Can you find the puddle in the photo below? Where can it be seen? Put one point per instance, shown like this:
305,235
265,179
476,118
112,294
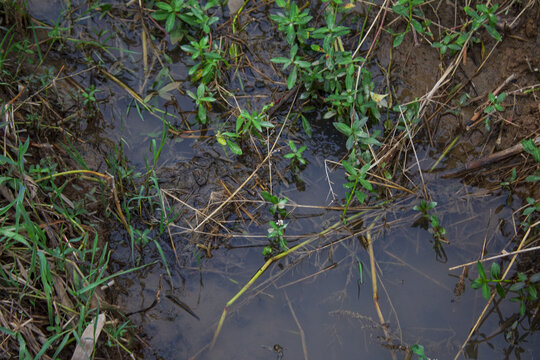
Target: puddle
316,303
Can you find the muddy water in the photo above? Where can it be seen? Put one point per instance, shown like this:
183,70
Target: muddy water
315,304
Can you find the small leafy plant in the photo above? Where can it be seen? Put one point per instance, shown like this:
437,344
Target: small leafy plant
253,122
276,232
355,178
226,139
437,230
524,288
89,96
296,156
493,107
409,9
207,60
513,176
419,351
278,204
292,22
276,235
485,17
202,99
356,136
176,13
294,60
451,43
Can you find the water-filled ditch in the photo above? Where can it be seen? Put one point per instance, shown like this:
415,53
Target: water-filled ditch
316,303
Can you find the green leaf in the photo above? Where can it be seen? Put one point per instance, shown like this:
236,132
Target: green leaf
169,24
269,197
477,283
398,39
291,81
292,146
531,148
164,6
160,15
501,291
329,114
517,286
366,184
239,123
202,113
495,271
200,90
418,350
485,291
535,278
349,168
234,147
481,271
493,32
417,26
532,292
266,124
342,128
360,195
280,60
309,131
221,140
303,64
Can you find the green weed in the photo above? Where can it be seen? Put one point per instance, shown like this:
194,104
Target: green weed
493,107
437,230
254,122
295,156
276,232
179,13
297,63
418,350
207,60
409,9
524,288
484,16
292,22
202,99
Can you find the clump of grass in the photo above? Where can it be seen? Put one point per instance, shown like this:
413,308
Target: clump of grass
54,261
